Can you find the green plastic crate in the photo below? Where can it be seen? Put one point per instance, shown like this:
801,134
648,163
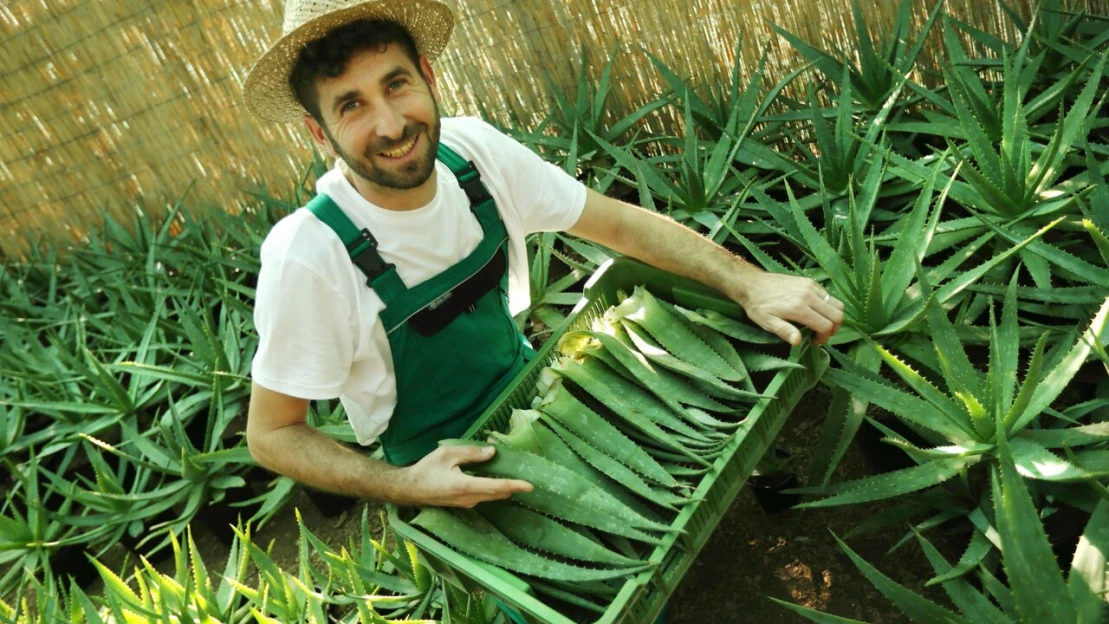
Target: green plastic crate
643,596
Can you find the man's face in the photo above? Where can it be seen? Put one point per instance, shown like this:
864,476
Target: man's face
382,118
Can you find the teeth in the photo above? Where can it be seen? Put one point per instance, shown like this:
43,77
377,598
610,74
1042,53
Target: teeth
402,150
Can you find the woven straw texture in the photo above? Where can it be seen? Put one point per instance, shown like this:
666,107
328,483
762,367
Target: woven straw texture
108,107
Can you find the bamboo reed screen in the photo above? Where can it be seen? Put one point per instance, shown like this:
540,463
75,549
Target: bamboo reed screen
119,106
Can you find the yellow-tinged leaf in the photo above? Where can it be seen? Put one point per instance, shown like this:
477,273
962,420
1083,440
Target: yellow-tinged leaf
116,585
263,619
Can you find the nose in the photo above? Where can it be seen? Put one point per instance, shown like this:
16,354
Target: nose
388,123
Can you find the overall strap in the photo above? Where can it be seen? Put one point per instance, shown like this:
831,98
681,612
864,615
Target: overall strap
362,248
481,202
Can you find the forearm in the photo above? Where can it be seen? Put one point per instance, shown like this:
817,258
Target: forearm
668,245
307,456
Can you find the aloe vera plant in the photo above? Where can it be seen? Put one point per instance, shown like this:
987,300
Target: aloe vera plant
881,64
1037,591
579,122
975,415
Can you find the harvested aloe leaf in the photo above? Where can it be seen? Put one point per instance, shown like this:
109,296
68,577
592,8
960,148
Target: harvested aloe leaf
671,388
674,335
539,532
562,493
468,532
557,451
653,351
614,469
577,417
626,399
520,434
729,327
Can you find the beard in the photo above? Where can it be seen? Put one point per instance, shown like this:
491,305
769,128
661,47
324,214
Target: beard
403,177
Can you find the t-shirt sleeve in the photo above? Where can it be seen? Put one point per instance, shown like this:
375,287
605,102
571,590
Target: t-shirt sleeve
547,198
306,341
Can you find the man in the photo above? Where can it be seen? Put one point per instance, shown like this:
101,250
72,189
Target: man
390,290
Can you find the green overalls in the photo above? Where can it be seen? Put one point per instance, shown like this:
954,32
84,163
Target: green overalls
454,343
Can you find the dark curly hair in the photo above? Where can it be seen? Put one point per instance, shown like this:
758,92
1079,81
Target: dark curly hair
328,56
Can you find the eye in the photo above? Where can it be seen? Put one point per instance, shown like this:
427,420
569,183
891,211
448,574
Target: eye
348,106
396,84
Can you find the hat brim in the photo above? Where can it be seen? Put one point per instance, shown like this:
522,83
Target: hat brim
266,90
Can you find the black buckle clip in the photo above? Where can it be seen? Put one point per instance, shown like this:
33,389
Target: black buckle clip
369,260
474,188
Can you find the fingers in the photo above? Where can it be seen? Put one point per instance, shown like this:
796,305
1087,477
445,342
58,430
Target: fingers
783,330
465,454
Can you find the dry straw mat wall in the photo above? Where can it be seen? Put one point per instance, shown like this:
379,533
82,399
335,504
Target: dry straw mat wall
113,106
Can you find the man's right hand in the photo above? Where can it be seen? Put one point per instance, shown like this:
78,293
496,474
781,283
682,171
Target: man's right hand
438,480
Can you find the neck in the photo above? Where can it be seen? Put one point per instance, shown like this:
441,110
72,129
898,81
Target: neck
394,199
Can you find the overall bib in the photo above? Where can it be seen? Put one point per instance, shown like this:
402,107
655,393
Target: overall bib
453,342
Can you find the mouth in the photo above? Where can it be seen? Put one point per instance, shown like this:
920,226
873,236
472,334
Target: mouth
402,150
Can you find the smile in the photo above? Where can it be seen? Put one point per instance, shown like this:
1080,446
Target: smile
403,150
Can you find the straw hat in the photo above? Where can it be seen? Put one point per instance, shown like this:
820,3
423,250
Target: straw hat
267,91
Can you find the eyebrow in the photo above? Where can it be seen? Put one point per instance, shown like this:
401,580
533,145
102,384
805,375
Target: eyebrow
346,96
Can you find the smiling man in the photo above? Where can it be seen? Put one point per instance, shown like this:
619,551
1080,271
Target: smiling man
393,289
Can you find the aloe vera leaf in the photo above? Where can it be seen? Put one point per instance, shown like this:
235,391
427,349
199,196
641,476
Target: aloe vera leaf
537,531
598,589
929,393
565,494
574,598
1028,388
1100,239
716,341
815,616
674,335
1004,350
845,416
1035,462
761,362
577,417
466,531
730,327
707,420
557,451
612,467
910,248
1034,576
1053,384
887,485
621,398
656,353
970,601
975,552
668,387
1088,580
647,403
1085,271
520,434
957,370
918,608
1074,436
682,470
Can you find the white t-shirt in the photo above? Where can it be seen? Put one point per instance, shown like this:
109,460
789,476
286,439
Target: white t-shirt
317,320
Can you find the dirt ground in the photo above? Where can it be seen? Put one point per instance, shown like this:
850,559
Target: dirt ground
752,555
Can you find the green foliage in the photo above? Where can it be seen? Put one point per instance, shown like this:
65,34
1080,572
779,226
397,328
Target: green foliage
882,64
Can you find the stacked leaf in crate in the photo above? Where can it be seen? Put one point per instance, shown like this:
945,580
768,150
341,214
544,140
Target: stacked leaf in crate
636,424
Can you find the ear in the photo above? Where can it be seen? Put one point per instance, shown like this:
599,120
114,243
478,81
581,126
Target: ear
318,135
429,77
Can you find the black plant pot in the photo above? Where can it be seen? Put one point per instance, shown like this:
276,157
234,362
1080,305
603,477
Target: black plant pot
768,491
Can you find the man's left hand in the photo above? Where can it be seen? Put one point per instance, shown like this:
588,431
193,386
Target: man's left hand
772,300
